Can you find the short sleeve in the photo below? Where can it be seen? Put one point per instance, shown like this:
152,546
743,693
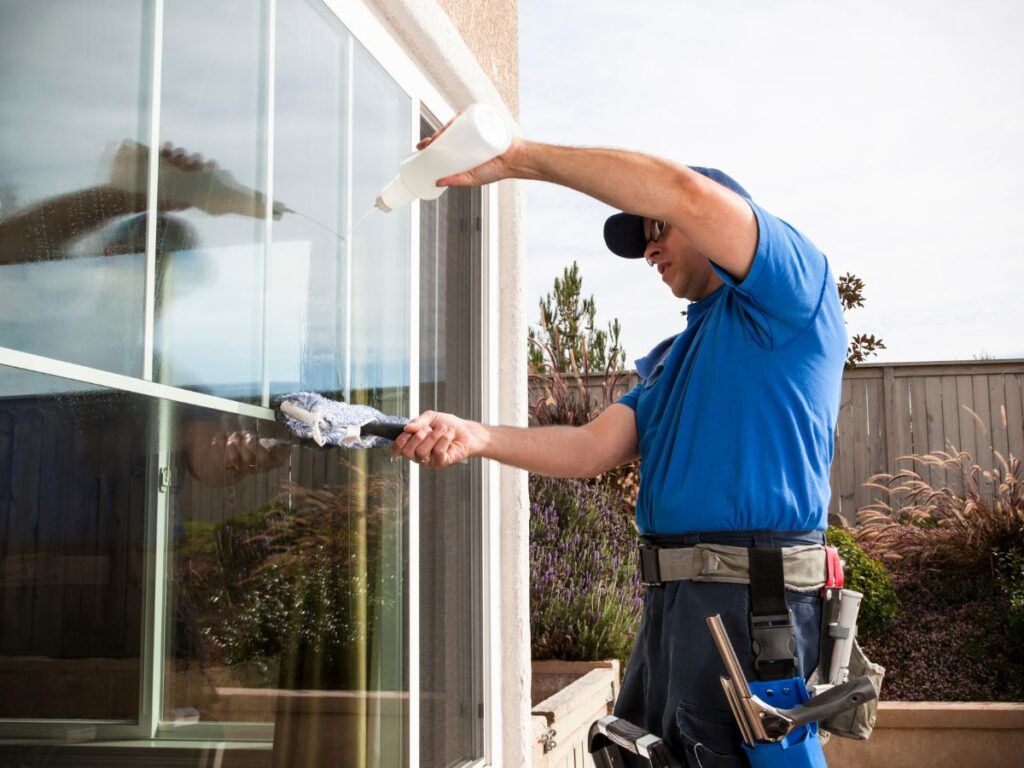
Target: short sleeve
630,398
787,278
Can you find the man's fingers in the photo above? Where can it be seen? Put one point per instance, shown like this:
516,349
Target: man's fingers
424,143
425,419
439,454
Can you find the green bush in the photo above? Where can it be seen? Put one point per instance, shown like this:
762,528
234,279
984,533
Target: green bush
880,605
1010,578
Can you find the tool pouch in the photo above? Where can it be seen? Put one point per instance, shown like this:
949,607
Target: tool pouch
856,723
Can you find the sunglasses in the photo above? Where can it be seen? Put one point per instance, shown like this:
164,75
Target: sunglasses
654,234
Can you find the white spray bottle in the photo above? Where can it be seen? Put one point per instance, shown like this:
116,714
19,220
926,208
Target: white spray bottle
475,136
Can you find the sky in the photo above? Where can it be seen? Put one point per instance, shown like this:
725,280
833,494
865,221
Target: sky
890,133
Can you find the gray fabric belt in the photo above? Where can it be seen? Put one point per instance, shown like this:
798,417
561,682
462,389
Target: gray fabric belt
803,567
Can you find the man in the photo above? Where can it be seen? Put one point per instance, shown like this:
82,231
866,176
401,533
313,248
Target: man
732,421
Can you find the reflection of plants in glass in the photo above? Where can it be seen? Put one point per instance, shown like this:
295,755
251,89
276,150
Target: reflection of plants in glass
300,581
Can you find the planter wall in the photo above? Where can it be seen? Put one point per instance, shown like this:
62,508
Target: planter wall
937,735
567,697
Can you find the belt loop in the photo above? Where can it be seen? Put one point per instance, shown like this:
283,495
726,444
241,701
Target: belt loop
763,537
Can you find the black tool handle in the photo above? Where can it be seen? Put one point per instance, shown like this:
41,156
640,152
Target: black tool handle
832,702
615,730
382,429
625,734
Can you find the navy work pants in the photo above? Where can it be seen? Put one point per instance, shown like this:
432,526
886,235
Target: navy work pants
671,685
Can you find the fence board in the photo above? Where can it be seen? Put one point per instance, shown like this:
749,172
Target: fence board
998,421
950,414
878,451
904,444
982,408
935,435
968,426
1015,413
847,475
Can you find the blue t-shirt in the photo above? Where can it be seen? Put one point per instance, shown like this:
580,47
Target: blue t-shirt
735,416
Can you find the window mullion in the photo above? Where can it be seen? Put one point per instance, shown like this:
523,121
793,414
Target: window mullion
152,198
268,211
151,651
413,533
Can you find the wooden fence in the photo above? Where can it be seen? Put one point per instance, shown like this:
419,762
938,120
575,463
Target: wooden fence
891,411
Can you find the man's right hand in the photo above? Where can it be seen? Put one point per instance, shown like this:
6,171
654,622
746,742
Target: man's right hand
438,440
500,167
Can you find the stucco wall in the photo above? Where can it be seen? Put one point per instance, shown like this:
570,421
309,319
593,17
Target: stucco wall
491,31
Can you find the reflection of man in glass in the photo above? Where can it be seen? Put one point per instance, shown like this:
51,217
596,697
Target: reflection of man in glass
45,230
116,212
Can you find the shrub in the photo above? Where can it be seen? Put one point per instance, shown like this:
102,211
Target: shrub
1010,577
585,593
952,643
880,605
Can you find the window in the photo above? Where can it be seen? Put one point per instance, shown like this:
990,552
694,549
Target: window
175,571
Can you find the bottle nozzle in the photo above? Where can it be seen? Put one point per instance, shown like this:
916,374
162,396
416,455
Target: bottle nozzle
395,195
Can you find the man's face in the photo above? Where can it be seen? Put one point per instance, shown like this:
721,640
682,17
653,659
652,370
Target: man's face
681,266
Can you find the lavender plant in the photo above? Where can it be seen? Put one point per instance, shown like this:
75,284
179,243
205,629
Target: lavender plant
585,593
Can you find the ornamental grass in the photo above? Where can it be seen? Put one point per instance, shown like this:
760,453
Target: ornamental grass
946,528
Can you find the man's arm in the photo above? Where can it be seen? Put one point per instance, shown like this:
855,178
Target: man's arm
607,442
718,222
62,218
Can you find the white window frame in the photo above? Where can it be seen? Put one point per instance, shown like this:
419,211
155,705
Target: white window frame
367,30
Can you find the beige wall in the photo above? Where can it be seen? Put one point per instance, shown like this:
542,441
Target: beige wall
491,31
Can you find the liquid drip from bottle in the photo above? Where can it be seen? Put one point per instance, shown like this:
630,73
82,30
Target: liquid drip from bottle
344,238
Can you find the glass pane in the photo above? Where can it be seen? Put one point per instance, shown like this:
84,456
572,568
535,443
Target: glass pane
286,586
307,313
210,249
288,597
379,314
74,462
379,370
451,503
74,96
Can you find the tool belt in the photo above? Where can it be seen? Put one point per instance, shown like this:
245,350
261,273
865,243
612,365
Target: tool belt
769,571
803,566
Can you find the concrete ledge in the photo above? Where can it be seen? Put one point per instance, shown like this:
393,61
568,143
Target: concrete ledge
936,734
983,715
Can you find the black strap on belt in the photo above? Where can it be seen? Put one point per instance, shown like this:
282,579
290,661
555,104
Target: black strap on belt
771,623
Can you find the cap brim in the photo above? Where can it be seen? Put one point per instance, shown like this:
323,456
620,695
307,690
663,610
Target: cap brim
624,235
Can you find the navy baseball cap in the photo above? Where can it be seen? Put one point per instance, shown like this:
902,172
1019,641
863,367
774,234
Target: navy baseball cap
624,232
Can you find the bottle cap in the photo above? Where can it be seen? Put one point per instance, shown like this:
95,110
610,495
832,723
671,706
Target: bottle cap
395,195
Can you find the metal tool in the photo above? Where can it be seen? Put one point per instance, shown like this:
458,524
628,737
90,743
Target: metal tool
758,721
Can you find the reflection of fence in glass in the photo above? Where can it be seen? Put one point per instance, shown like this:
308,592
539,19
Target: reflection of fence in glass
73,493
